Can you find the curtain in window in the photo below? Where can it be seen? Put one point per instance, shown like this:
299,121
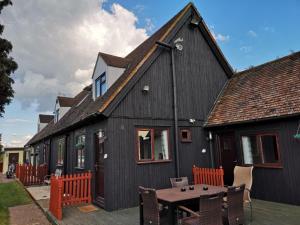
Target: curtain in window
246,142
165,149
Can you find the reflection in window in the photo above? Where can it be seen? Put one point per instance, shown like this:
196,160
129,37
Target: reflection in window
153,144
80,149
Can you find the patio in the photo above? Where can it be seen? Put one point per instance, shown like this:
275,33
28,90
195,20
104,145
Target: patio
265,213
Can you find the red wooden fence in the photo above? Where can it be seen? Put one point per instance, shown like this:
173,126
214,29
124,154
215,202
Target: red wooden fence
208,176
31,175
69,190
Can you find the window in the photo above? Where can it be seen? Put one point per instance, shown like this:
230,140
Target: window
100,85
261,149
56,115
185,135
153,144
60,152
80,147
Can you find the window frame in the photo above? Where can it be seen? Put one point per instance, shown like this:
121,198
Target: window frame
82,152
258,137
101,83
152,160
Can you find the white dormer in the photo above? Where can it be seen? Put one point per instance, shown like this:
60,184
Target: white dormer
43,121
62,106
107,70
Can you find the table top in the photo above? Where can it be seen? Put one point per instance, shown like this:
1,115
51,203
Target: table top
172,195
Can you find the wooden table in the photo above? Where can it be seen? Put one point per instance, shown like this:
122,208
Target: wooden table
173,197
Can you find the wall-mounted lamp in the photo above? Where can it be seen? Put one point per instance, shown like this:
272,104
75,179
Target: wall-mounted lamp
100,134
210,136
192,121
146,89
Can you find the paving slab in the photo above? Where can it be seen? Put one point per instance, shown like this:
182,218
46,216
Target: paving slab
29,214
39,192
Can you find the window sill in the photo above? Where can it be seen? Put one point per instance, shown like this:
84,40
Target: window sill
153,162
59,165
271,166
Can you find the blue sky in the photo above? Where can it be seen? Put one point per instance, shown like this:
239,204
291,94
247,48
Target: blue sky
248,33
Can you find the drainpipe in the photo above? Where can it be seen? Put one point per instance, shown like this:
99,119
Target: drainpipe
174,87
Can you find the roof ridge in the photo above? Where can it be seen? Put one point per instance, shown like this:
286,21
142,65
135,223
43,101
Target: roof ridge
267,63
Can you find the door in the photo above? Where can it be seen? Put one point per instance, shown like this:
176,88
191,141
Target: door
99,170
228,156
13,158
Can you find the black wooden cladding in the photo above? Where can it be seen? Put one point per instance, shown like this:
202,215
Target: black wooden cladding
274,184
200,78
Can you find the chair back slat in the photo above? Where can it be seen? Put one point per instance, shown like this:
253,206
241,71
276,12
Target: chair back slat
235,204
150,206
210,209
243,175
179,182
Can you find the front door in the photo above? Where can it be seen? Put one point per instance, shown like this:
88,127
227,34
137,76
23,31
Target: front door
13,158
228,156
99,171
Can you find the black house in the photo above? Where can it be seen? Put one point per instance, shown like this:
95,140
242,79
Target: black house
157,112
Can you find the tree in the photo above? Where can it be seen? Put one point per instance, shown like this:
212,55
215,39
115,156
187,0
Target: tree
7,66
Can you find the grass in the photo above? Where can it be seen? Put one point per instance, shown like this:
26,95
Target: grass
11,194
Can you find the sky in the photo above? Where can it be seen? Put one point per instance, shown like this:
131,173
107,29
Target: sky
55,43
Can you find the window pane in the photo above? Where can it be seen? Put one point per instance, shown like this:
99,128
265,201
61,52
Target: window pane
250,150
80,148
269,147
161,145
145,149
103,88
97,88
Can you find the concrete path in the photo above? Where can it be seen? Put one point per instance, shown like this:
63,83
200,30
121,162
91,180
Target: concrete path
27,215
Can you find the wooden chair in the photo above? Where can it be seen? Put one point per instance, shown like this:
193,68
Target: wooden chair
210,211
233,208
243,175
179,182
151,210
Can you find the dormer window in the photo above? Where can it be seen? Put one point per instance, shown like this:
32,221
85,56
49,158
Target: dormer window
100,85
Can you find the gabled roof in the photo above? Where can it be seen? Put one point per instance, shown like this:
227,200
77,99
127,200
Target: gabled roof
142,53
114,61
268,91
65,101
137,58
45,118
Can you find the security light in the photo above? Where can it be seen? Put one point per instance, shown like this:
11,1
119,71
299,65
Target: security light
146,89
195,22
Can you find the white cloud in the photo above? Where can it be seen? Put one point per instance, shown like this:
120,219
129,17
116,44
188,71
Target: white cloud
18,140
16,120
246,49
252,33
218,36
56,43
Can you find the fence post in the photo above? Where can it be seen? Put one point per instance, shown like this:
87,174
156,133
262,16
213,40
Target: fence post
56,197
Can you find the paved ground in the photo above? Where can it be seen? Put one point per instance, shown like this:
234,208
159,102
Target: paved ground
3,179
264,213
39,192
27,215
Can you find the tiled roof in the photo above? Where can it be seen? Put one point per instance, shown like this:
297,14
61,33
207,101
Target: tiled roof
267,91
45,118
114,61
65,101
